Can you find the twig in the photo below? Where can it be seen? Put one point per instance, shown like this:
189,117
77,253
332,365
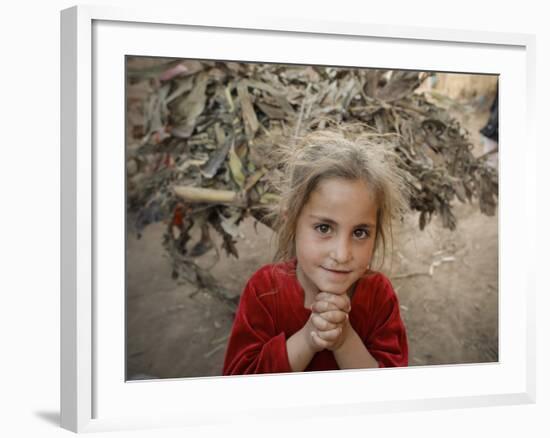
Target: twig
411,274
298,124
214,350
219,340
492,151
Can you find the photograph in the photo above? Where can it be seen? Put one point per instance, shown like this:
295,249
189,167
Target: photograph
288,218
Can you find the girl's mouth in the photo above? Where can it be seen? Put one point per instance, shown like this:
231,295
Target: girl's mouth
335,271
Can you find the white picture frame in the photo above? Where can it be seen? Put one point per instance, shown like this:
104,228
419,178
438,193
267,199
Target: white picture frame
94,395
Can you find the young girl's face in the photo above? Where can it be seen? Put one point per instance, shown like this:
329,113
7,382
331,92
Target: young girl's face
335,236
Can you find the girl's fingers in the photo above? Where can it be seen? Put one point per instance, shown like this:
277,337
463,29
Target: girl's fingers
334,316
323,306
320,343
321,323
330,335
342,302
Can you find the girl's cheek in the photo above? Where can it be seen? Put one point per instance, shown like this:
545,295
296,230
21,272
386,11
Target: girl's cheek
321,240
316,236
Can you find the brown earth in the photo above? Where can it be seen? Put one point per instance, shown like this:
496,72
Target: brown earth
451,316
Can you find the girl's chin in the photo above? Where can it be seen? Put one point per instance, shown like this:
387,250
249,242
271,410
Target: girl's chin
339,289
337,285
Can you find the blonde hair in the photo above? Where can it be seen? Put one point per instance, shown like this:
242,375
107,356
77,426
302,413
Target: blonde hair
326,154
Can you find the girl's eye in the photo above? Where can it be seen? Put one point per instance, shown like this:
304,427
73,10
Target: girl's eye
361,233
323,228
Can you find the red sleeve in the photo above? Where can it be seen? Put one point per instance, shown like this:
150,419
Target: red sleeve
387,342
254,346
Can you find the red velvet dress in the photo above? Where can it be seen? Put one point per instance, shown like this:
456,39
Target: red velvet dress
271,309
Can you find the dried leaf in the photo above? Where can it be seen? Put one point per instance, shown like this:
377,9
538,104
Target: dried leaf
205,243
250,120
190,107
254,178
220,134
173,72
229,99
229,224
279,96
269,198
460,193
422,220
401,83
273,112
216,160
187,67
150,72
236,166
182,86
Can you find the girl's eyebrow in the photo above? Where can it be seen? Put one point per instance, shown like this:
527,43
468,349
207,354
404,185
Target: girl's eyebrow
323,219
333,222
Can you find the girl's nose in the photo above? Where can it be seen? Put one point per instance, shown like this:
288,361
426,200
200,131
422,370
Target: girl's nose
341,253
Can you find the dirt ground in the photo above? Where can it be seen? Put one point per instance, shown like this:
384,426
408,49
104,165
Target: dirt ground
446,281
451,316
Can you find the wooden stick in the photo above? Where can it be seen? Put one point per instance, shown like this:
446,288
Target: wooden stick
197,194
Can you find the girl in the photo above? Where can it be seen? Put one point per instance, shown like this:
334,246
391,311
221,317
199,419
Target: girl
320,307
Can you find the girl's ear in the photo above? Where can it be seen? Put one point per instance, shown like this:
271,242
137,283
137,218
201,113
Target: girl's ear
285,214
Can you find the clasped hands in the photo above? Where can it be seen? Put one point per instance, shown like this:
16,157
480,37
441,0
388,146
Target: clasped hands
329,320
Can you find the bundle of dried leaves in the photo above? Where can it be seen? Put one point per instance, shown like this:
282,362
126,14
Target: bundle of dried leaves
201,132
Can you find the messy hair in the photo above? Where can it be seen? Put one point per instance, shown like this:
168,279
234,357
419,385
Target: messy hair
321,155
